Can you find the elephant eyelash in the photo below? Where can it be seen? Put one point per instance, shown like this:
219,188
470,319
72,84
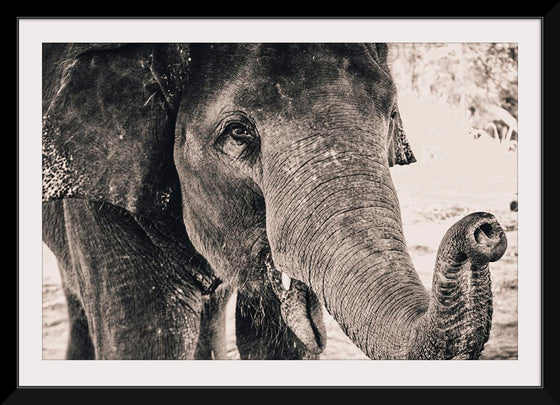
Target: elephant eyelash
238,137
239,132
236,119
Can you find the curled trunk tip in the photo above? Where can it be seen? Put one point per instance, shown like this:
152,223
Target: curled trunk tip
458,321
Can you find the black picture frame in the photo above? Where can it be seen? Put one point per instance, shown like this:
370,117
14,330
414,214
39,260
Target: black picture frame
548,393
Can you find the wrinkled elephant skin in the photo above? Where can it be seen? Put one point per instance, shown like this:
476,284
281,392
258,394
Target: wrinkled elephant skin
175,174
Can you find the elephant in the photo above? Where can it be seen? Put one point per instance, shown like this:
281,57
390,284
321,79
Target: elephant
176,174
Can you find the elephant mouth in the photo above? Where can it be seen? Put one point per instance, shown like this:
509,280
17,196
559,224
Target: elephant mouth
299,306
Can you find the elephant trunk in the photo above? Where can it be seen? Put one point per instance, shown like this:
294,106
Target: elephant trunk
457,323
340,233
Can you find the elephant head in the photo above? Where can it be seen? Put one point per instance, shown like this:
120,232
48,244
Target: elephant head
279,165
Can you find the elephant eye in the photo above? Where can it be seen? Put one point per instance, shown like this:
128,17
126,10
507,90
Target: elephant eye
394,114
239,133
238,139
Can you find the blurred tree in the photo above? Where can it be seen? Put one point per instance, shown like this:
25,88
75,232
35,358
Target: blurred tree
481,77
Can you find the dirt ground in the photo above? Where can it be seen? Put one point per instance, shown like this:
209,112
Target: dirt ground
425,220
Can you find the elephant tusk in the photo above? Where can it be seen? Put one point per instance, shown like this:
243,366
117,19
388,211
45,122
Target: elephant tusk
286,281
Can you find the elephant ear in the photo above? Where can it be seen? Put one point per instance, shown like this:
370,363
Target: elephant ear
399,151
108,123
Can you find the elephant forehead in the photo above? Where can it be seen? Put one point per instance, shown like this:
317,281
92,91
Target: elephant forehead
275,77
295,87
292,58
294,78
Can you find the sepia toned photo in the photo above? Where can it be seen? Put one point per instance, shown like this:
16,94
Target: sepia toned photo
280,201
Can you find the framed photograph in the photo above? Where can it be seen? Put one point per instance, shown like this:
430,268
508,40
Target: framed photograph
272,202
